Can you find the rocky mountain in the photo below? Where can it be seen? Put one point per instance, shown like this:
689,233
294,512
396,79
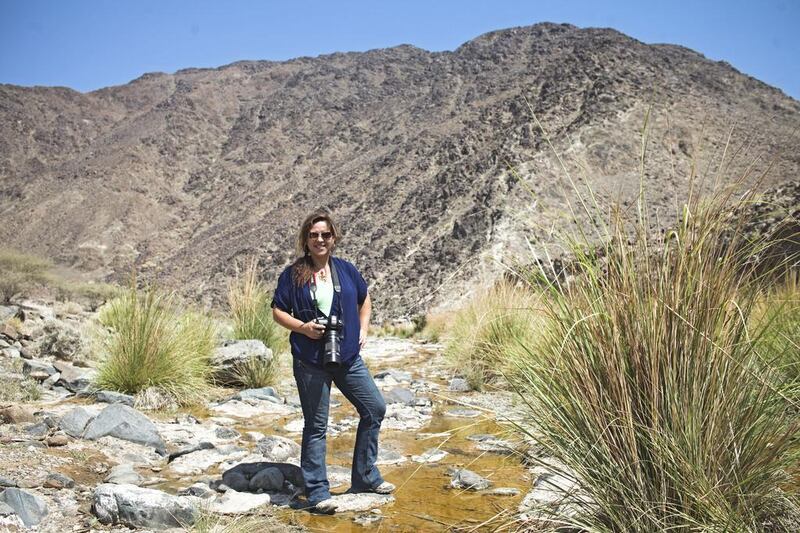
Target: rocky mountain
434,163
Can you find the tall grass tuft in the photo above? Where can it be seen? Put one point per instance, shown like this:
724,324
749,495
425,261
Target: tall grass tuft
249,302
645,382
483,333
152,345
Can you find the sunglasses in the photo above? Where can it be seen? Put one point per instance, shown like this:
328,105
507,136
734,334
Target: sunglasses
326,235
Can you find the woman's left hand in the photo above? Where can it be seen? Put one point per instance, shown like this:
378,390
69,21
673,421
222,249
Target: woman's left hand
362,339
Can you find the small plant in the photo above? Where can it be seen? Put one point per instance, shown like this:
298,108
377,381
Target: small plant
12,390
152,345
255,373
435,327
249,302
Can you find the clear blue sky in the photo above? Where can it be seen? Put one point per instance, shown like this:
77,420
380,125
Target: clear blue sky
88,44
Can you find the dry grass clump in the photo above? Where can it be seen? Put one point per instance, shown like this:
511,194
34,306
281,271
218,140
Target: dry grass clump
647,384
484,332
249,302
153,344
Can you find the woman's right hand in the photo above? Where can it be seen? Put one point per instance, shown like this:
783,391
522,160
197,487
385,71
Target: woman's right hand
312,330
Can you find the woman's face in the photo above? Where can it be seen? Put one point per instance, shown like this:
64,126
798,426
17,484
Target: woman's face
320,240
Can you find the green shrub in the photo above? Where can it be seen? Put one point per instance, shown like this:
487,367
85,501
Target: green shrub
779,344
645,383
249,302
492,325
153,345
20,272
256,373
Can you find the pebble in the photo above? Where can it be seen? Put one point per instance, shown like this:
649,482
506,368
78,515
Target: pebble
58,481
59,439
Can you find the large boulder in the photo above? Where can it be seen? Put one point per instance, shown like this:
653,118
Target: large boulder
123,422
229,357
30,508
139,507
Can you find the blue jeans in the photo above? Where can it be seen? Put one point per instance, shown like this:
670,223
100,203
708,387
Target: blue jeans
314,387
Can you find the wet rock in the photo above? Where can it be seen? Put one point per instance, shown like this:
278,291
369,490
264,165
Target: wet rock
142,508
433,455
504,491
469,480
369,519
354,503
74,422
61,340
459,385
123,422
550,489
124,474
387,456
405,418
59,439
278,449
399,395
232,354
17,414
108,396
264,393
235,502
269,479
31,509
73,378
461,412
490,443
58,481
198,490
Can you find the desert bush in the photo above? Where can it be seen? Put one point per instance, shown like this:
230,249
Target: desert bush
14,390
487,329
435,327
778,318
646,383
20,272
256,372
152,344
249,302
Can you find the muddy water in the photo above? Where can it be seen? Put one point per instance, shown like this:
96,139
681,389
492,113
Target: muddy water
424,499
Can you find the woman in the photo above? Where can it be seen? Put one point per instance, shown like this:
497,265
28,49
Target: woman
308,290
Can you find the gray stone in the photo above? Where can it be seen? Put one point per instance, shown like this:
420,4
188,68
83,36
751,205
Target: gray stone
269,479
226,433
73,378
74,422
30,508
278,449
469,480
204,445
399,395
142,508
368,519
238,478
123,422
36,368
459,385
232,354
58,481
398,375
7,482
8,311
6,510
198,490
387,456
26,353
108,396
124,474
40,429
360,502
264,393
12,352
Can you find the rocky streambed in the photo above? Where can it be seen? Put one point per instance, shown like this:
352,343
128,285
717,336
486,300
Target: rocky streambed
79,459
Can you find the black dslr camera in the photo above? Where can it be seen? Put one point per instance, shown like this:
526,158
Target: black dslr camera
331,356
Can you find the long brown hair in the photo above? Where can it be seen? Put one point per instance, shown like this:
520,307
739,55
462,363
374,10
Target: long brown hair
303,267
